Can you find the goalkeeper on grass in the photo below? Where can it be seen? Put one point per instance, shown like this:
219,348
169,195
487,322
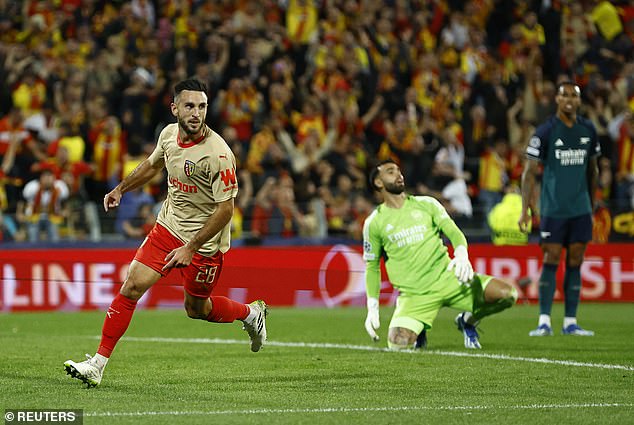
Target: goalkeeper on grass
406,231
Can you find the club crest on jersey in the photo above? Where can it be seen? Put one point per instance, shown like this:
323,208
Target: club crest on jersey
189,168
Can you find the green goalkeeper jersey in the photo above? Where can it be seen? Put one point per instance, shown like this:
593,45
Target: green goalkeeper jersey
410,239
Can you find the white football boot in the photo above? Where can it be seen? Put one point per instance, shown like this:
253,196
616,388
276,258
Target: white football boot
87,371
255,324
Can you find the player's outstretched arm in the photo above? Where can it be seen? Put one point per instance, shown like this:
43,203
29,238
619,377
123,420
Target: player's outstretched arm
142,174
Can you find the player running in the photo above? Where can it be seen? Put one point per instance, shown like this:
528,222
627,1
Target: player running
192,232
406,231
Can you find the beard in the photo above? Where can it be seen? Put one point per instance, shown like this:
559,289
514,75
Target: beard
395,188
189,129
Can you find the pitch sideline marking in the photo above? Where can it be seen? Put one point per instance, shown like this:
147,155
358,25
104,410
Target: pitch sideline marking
368,348
357,409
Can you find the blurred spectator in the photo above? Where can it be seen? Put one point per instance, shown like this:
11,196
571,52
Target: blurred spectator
625,167
108,145
275,212
310,152
504,218
71,140
44,206
266,157
30,93
605,15
133,213
140,224
238,107
492,177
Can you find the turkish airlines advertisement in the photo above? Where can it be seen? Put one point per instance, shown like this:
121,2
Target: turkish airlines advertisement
307,276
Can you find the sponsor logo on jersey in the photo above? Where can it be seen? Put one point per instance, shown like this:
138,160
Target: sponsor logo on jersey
535,142
571,156
408,235
584,140
417,214
367,251
187,188
228,178
545,234
189,168
559,142
389,227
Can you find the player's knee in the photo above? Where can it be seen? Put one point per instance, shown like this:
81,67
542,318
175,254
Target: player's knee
401,339
512,296
574,261
132,290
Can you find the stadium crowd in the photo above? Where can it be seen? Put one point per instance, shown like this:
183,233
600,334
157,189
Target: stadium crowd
309,95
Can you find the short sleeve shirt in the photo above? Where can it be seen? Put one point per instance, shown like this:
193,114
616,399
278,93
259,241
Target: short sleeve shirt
565,153
200,174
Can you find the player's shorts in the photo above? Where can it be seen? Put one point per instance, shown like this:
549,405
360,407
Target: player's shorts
417,312
198,279
565,231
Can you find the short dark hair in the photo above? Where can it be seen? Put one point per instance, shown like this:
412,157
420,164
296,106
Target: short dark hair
375,172
192,84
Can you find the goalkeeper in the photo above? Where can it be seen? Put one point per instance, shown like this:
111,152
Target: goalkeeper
406,230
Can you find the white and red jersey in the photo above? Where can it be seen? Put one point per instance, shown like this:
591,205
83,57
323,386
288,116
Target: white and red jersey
200,174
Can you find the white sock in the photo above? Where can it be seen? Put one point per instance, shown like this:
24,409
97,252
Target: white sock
468,318
569,321
251,314
100,361
544,319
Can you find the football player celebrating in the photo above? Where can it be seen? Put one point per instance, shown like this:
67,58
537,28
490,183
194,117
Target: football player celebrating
191,234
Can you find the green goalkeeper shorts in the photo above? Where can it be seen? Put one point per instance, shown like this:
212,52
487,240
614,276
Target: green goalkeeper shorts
417,312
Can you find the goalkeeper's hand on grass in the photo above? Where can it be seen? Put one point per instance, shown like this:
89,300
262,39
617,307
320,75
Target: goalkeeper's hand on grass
461,265
372,322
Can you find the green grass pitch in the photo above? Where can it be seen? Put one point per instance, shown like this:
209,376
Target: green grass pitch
320,367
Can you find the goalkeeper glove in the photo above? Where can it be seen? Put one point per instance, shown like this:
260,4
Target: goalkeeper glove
372,322
461,265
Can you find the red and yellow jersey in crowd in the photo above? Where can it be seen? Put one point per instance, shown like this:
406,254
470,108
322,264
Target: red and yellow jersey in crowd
108,151
75,145
534,35
76,169
29,97
238,110
258,148
426,83
492,176
326,82
301,21
8,131
307,123
402,141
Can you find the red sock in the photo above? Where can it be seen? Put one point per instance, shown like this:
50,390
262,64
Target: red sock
117,320
224,310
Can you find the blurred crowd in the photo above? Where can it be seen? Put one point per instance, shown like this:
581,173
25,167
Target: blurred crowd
309,95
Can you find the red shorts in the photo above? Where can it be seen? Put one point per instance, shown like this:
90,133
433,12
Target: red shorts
198,279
